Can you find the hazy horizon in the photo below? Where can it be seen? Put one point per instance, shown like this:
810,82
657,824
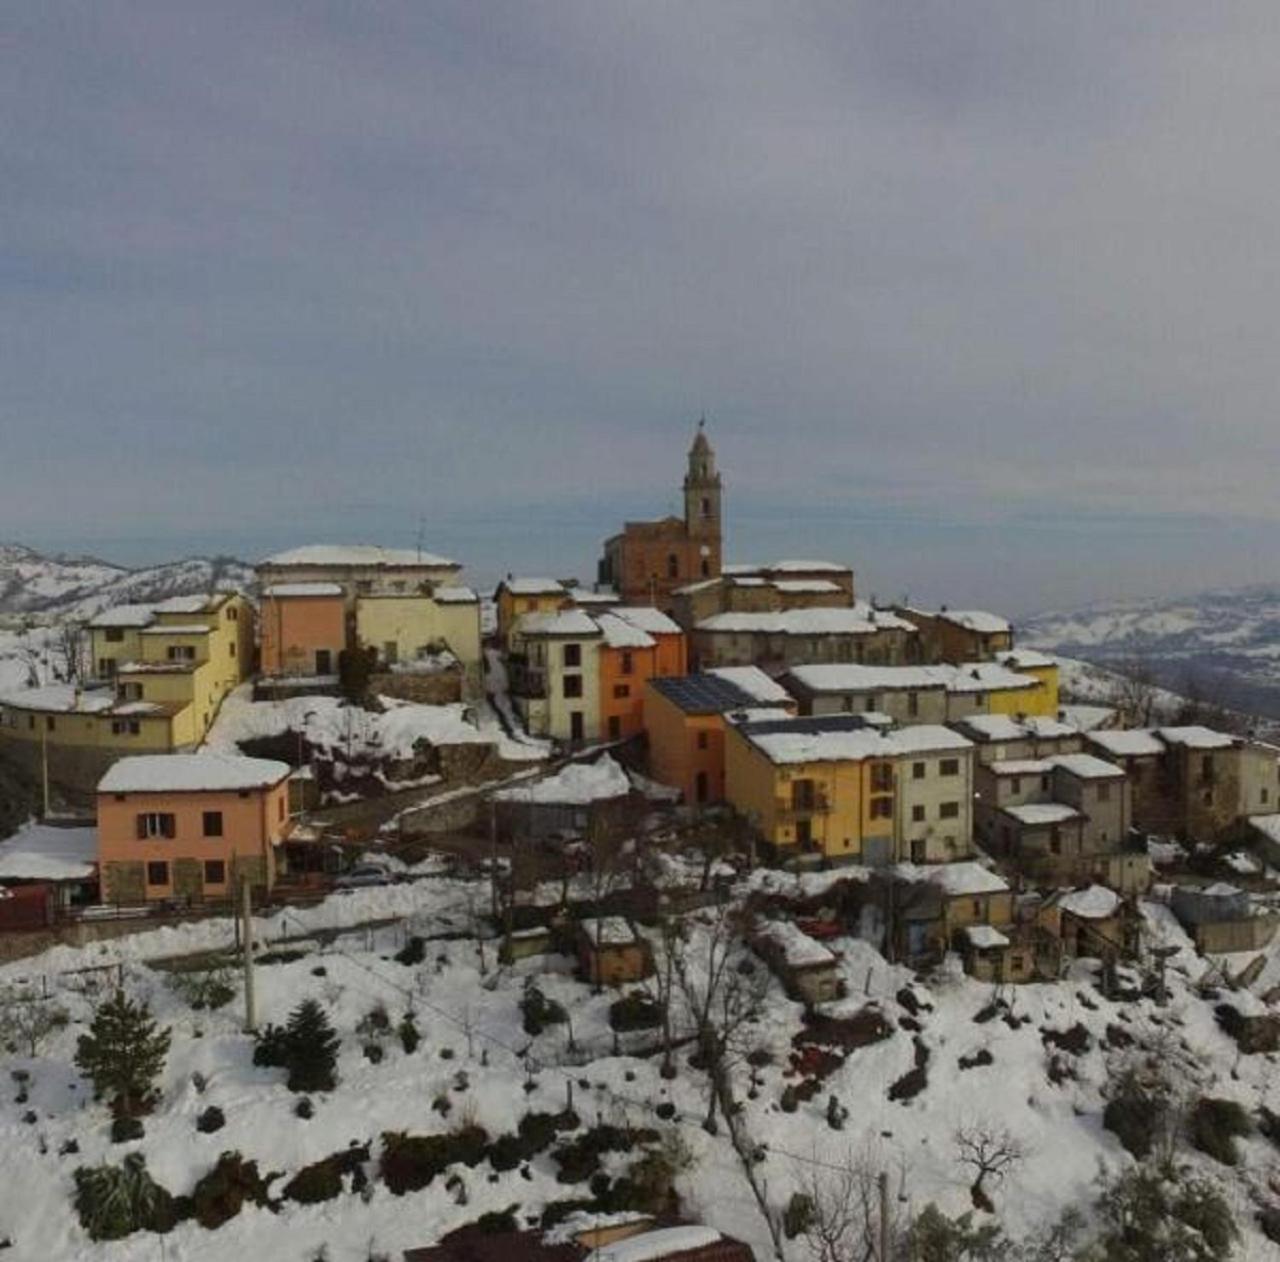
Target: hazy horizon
978,299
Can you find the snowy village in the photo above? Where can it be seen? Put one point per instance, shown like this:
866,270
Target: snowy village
688,911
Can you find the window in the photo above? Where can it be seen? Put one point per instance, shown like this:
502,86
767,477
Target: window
233,614
1044,784
106,667
881,777
949,810
620,691
881,808
129,692
114,635
50,723
1104,793
1015,785
1055,840
573,685
31,722
626,663
673,566
917,770
913,703
232,648
919,851
280,808
703,742
706,568
872,703
1266,795
917,814
577,726
706,506
157,873
181,652
949,766
122,727
977,909
155,824
572,655
213,823
215,872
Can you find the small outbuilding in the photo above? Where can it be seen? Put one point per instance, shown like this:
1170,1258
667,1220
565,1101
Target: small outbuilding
612,952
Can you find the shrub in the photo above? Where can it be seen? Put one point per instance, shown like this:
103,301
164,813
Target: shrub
304,1109
798,1217
538,1011
410,1162
790,1099
373,1053
208,988
408,1032
375,1021
1152,1215
636,1011
307,1047
210,1120
1215,1124
322,1180
579,1159
115,1201
271,1047
413,952
124,1129
219,1194
123,1054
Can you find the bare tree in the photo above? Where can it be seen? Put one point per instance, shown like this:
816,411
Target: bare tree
670,947
68,652
990,1152
26,1021
1134,692
839,1212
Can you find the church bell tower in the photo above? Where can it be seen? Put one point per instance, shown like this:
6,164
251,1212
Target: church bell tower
702,502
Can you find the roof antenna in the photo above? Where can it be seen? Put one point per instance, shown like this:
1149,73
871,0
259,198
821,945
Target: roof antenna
422,527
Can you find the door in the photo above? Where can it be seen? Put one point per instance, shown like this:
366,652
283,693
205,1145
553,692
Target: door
575,725
615,728
876,851
324,662
700,786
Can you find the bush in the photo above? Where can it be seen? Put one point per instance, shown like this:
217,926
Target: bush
408,1032
413,952
373,1053
410,1162
1155,1215
210,1120
937,1238
1215,1125
271,1047
579,1159
219,1195
322,1180
636,1011
375,1021
798,1217
539,1011
115,1201
307,1047
304,1109
209,988
124,1129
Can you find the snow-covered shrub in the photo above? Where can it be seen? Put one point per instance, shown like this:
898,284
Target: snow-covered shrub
636,1011
123,1129
1214,1126
322,1180
538,1011
579,1159
410,1162
408,1032
123,1054
1154,1215
413,952
207,988
219,1194
115,1201
212,1119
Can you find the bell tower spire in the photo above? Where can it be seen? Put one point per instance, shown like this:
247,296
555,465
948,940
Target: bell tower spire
702,496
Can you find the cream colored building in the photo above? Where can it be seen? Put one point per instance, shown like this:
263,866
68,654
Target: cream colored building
360,569
405,628
934,810
554,669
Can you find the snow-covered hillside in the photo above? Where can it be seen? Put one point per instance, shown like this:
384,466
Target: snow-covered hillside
79,587
1221,644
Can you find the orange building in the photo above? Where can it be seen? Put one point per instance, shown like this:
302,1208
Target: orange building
304,628
639,644
686,718
187,825
650,559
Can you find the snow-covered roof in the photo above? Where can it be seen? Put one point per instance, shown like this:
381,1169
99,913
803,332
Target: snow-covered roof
454,596
184,604
1196,737
978,620
572,622
534,587
581,596
806,567
958,879
360,554
577,784
191,773
41,852
924,738
1040,814
836,739
284,591
1087,767
851,677
123,616
654,621
183,628
738,567
650,1246
1085,718
749,580
60,699
754,682
1004,727
608,931
1220,889
987,677
1095,903
1026,659
1267,825
984,937
1021,767
795,946
700,586
620,634
861,619
1128,742
806,586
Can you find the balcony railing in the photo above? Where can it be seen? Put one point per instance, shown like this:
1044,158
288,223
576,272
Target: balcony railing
815,804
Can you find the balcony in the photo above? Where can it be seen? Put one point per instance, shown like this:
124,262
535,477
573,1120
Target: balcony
525,680
815,803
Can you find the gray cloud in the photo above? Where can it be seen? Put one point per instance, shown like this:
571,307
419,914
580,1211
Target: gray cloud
975,266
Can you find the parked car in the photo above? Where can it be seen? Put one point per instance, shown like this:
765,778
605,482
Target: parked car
362,875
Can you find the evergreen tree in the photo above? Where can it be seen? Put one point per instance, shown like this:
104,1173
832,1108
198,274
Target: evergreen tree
311,1049
123,1054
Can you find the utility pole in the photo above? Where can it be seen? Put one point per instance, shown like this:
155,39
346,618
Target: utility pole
246,911
882,1181
44,763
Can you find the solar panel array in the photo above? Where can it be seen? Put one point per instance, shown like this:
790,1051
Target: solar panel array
703,694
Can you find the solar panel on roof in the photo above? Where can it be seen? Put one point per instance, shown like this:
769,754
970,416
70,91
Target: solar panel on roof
808,726
703,694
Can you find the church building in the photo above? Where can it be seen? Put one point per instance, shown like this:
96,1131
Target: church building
650,559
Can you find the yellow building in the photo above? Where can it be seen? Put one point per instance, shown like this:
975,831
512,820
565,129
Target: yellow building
835,787
516,597
1040,666
409,627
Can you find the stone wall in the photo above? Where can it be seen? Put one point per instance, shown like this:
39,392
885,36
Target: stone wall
441,688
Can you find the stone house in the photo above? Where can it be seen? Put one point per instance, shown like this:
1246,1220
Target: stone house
809,971
960,635
611,952
1010,737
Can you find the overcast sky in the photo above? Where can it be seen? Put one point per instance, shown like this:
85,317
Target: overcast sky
979,297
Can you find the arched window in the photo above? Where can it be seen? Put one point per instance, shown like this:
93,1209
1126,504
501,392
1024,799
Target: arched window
706,506
706,568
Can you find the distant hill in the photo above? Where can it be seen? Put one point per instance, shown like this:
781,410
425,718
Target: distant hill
78,587
1223,646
